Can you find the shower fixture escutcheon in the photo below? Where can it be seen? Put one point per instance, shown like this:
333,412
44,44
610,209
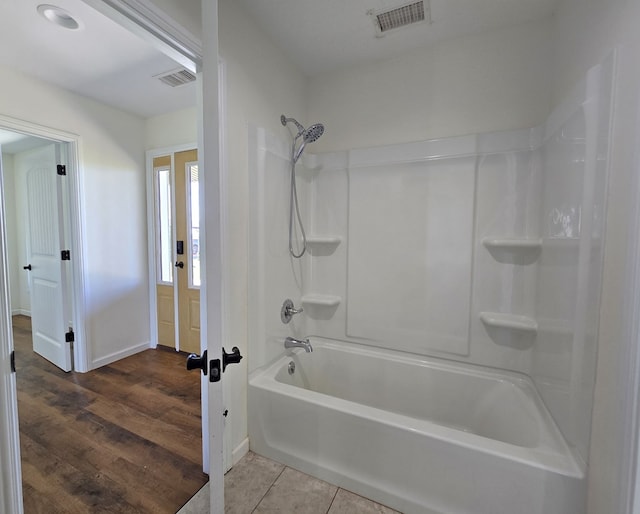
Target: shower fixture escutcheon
288,311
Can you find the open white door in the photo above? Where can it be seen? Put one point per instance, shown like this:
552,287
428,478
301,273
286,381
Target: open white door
211,241
47,265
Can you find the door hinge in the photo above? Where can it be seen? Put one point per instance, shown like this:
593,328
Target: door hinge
69,337
65,255
62,169
13,361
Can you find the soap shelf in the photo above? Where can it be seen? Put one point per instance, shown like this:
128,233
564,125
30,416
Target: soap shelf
512,243
510,321
323,240
321,300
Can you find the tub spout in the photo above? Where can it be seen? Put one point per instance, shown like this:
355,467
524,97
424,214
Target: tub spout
290,342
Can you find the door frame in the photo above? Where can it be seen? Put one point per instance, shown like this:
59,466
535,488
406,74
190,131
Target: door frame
11,498
10,464
146,20
81,351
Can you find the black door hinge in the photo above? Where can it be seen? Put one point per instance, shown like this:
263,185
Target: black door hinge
69,337
65,255
62,169
13,361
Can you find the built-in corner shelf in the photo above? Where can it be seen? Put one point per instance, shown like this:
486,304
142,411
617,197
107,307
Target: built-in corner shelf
321,300
511,321
512,243
323,240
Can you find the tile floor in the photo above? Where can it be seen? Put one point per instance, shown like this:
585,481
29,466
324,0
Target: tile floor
263,486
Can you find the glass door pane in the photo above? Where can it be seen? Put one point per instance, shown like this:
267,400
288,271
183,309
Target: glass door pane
193,221
165,226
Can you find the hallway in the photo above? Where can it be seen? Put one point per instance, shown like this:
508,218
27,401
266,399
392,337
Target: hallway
123,438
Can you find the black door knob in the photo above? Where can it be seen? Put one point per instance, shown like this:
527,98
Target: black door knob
194,361
231,358
180,264
27,267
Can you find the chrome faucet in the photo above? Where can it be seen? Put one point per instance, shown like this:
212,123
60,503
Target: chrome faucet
290,342
288,311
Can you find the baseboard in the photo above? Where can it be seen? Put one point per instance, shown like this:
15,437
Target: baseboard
240,451
21,312
121,354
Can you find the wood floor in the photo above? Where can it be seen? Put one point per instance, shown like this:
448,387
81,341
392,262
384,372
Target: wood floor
123,438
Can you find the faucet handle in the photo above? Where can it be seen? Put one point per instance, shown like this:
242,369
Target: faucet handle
288,311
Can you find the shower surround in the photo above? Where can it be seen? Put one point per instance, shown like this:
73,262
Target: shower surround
483,249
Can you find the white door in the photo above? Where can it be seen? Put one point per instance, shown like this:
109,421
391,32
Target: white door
213,211
46,267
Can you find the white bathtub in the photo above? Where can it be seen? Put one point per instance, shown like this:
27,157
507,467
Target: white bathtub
419,435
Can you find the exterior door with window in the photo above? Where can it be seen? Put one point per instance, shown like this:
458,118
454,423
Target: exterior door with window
178,250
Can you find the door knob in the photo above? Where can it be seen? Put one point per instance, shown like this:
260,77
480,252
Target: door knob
27,267
196,362
231,358
180,264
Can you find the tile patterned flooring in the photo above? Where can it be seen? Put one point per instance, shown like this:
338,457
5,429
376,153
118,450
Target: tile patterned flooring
260,485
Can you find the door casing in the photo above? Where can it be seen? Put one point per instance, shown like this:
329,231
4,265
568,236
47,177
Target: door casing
11,498
73,187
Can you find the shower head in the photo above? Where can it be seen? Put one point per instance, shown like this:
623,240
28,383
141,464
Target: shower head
313,133
310,135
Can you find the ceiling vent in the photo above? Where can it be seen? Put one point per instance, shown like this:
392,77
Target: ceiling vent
176,78
408,14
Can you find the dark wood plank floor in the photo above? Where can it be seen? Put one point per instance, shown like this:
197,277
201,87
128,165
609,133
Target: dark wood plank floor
123,438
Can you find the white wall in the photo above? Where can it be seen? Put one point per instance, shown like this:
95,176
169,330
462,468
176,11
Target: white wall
172,129
585,33
114,217
483,83
260,85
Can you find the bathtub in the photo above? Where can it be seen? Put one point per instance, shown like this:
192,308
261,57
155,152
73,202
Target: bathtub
420,435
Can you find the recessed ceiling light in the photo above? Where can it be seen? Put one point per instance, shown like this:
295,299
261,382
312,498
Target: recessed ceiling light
59,16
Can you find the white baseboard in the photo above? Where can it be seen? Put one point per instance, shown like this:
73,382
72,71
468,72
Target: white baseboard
121,354
21,312
240,451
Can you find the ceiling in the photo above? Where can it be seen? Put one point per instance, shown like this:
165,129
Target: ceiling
320,36
12,142
103,61
100,60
